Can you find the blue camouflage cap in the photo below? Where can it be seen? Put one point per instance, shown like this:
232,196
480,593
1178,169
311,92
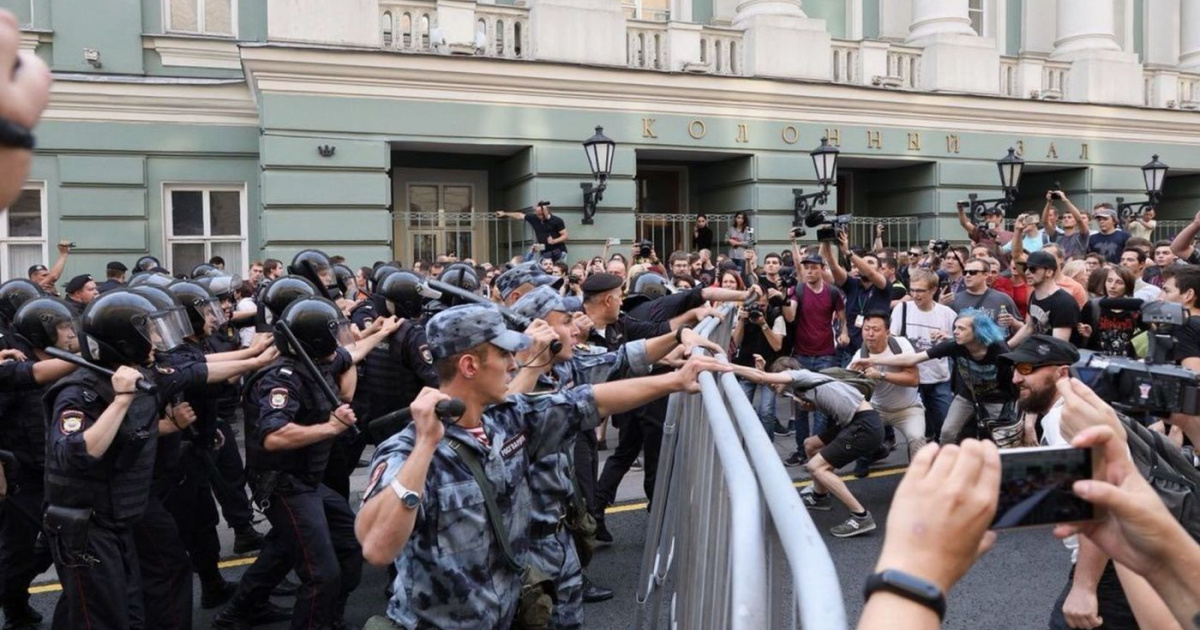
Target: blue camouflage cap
539,302
573,303
460,328
525,273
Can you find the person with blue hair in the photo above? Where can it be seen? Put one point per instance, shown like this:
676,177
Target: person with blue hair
984,380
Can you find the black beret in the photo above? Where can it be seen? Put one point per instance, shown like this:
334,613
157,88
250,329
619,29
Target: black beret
78,282
117,265
601,282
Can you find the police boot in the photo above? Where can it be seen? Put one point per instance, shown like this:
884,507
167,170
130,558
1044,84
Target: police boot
21,617
237,615
214,592
593,593
246,539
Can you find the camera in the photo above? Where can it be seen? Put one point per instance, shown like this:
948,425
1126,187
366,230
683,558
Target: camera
798,232
1056,194
755,314
644,248
575,279
787,279
940,247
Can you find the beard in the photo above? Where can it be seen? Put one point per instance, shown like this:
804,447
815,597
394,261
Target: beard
1039,402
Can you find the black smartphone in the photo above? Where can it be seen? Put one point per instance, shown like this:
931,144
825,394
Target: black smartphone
1035,486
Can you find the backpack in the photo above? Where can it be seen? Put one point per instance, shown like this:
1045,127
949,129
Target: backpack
864,385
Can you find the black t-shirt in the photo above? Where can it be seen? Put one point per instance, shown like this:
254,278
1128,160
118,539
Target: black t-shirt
1059,310
1187,340
861,299
544,230
703,238
754,340
667,307
988,380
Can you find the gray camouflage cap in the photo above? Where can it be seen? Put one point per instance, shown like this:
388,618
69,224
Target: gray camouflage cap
460,328
539,302
525,273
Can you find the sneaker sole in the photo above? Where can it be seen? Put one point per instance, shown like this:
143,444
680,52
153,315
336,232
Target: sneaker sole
858,532
819,508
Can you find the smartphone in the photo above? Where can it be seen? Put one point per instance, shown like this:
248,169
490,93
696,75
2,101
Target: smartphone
613,241
962,204
1056,194
749,230
1035,486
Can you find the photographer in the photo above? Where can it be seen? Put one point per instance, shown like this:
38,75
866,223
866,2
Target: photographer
760,330
868,293
990,231
1073,237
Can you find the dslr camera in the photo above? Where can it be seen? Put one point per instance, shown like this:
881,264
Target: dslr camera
940,248
645,246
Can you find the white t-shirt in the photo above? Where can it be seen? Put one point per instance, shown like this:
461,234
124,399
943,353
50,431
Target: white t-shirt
245,335
915,326
1052,436
889,396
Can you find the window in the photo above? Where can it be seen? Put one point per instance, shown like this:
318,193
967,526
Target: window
202,222
204,17
654,10
23,233
441,220
975,11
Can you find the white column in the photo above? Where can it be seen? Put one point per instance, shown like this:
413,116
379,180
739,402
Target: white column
1100,71
1189,33
782,41
938,17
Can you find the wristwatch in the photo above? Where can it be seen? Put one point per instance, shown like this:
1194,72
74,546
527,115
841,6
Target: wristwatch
15,135
909,587
407,497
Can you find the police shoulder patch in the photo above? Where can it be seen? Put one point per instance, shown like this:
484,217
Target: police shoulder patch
426,354
278,398
70,422
164,369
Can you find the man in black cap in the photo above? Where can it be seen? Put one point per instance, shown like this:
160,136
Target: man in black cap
45,278
1052,311
114,273
81,290
549,230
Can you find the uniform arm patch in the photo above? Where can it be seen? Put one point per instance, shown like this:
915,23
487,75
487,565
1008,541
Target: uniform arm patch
278,398
71,421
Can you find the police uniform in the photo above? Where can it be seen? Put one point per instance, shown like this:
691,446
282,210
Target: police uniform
23,432
95,554
451,574
312,527
228,477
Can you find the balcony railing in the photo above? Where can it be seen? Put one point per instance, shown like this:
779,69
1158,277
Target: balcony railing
503,31
408,25
721,49
846,63
903,68
1008,76
1189,91
1054,80
647,45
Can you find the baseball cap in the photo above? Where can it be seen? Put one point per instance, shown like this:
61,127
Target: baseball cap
36,269
812,259
1042,350
1106,212
538,303
525,273
1041,260
460,328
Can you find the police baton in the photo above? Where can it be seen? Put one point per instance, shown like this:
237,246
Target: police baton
515,320
391,423
332,397
144,385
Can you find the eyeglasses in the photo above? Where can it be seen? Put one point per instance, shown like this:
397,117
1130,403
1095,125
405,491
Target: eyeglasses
914,253
974,272
1025,369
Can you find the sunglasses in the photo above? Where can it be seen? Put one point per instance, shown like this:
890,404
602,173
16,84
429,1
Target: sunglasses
974,272
914,253
1025,369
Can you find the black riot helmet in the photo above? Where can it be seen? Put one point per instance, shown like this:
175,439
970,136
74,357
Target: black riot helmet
282,292
460,275
47,321
146,263
646,287
346,282
176,325
402,291
150,278
314,265
221,285
15,293
200,305
117,328
318,326
204,270
381,272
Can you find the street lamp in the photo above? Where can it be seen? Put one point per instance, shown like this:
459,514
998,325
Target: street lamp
1153,173
824,160
600,151
1011,167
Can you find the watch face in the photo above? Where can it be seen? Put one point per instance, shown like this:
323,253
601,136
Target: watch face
411,500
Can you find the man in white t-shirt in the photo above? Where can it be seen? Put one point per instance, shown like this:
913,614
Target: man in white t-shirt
924,322
895,396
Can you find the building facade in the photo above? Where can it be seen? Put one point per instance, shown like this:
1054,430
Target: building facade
380,129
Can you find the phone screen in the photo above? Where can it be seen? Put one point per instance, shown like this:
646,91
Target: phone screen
1035,486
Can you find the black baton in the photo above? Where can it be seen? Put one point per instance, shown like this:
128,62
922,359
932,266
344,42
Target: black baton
144,385
330,395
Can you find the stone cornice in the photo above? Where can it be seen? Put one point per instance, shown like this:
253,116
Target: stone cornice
140,101
195,52
375,74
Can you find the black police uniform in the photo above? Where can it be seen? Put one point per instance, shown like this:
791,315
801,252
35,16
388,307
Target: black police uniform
23,432
109,285
95,503
312,527
228,478
16,375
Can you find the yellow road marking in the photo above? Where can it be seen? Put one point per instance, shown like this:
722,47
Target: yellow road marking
54,587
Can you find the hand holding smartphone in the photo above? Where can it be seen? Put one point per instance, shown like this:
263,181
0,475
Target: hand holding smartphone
1036,486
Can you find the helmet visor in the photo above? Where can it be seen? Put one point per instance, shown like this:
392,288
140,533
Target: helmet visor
211,309
343,334
64,332
165,330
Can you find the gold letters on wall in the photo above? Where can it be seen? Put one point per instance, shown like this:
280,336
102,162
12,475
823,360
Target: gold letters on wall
914,141
791,135
874,139
648,128
743,134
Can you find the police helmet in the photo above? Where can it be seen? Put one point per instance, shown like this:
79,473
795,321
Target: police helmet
347,281
176,325
147,263
117,329
199,304
221,285
150,278
282,292
318,326
204,270
402,291
460,275
646,287
47,321
314,265
380,273
15,293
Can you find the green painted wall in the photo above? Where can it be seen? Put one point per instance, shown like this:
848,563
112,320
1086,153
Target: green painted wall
833,12
23,9
870,19
702,11
1012,32
116,32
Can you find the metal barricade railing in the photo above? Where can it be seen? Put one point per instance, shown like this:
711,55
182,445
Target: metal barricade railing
704,564
673,232
898,232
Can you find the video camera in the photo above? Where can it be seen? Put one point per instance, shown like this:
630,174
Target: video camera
940,248
1155,387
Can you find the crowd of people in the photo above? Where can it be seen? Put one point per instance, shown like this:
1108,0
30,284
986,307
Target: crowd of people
485,389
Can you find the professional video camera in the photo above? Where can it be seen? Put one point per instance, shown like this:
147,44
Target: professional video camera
1154,387
827,227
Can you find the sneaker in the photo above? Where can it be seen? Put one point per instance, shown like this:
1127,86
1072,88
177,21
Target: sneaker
795,459
862,469
637,464
782,431
854,526
812,501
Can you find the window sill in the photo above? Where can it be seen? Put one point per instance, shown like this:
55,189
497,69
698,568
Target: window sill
197,51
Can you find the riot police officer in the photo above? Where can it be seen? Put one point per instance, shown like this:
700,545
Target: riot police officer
40,323
290,426
13,294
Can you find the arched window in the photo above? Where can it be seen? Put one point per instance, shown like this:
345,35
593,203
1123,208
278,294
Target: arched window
500,38
424,31
517,39
406,25
387,28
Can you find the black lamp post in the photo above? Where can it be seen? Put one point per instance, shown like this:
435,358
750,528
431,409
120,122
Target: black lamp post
1154,173
600,151
824,160
1011,168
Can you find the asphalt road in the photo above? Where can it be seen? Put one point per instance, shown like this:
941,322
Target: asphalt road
1014,586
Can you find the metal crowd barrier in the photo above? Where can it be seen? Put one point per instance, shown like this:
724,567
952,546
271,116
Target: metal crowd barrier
711,560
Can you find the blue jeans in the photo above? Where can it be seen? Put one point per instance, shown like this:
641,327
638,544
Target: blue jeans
819,422
937,398
762,398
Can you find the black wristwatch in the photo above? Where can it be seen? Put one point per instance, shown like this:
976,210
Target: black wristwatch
679,335
15,136
909,587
